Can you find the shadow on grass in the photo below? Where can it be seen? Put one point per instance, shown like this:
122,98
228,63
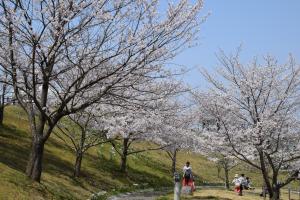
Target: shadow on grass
55,190
11,132
54,142
110,168
100,173
54,165
15,150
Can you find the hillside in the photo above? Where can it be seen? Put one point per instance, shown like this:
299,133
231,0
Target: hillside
99,167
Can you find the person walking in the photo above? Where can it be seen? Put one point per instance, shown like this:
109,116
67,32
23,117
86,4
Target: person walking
243,183
187,173
188,180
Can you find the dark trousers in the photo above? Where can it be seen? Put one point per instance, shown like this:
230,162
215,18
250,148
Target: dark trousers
241,190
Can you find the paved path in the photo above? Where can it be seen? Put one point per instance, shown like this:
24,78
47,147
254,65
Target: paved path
151,195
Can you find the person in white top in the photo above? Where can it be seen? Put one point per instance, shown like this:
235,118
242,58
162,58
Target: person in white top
187,173
243,182
237,183
236,180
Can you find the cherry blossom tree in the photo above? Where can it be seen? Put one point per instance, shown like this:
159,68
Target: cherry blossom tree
255,108
63,56
80,132
226,163
209,145
184,142
142,119
177,130
130,127
217,152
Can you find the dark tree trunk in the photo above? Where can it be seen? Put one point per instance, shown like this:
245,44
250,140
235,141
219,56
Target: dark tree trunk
174,159
124,155
39,138
226,171
79,154
3,102
265,174
77,166
34,165
2,105
123,163
275,193
1,114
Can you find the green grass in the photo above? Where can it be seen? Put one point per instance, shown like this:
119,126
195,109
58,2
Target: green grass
99,168
217,194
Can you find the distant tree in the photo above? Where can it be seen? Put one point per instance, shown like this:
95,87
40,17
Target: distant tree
177,130
226,163
213,148
131,127
256,108
63,56
141,118
172,153
80,132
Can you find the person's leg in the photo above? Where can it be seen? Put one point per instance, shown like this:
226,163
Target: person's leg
241,191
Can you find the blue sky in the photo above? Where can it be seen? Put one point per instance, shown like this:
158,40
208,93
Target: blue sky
261,26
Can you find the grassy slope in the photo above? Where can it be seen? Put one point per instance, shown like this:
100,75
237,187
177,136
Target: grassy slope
99,170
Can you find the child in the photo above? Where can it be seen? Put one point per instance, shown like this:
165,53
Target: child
237,184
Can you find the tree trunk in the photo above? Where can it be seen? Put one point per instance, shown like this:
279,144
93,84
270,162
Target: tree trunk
34,165
174,161
1,114
77,166
39,138
219,168
265,174
123,167
123,163
226,171
2,104
275,193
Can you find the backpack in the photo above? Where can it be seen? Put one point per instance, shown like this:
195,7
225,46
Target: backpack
188,173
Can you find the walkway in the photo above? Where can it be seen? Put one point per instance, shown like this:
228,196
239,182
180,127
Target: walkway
149,195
